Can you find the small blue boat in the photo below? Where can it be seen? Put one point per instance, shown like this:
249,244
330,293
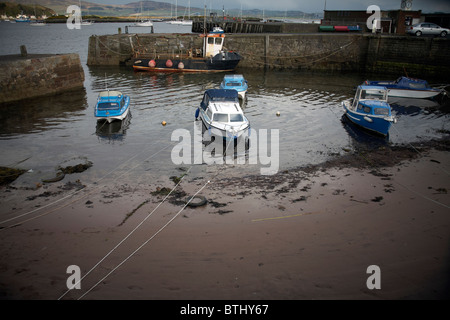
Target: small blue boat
405,87
112,105
236,82
370,110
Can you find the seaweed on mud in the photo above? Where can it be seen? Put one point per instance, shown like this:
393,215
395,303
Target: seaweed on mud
8,175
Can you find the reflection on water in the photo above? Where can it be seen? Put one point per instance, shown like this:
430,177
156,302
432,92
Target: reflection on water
114,131
40,114
51,130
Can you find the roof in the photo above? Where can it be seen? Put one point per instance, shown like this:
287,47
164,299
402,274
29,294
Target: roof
222,95
364,87
110,94
233,77
228,107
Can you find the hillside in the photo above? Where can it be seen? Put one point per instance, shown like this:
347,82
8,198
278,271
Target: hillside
13,9
154,9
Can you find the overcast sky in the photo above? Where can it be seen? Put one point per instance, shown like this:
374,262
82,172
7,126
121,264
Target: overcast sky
305,5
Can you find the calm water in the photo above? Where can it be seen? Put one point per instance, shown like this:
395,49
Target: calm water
44,133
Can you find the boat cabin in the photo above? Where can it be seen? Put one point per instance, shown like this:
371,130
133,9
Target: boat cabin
110,100
409,83
371,100
212,44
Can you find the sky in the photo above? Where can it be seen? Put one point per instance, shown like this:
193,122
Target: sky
304,5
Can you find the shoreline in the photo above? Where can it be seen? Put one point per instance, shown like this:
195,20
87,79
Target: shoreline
305,233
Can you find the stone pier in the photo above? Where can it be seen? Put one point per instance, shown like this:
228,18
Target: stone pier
385,54
32,75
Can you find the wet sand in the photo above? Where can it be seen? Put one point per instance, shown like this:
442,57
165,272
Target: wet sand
307,233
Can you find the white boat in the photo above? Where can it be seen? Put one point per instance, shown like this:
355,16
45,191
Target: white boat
405,87
38,23
220,111
144,23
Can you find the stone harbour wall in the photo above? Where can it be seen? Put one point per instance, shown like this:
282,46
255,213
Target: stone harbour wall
33,75
315,51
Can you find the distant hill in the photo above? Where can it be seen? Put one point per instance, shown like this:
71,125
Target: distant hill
13,9
154,9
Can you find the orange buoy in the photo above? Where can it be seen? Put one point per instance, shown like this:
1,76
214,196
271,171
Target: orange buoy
181,65
152,63
169,63
164,123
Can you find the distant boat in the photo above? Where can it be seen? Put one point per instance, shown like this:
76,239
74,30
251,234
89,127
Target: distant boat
217,30
236,82
405,87
370,110
85,22
112,105
144,23
22,18
38,23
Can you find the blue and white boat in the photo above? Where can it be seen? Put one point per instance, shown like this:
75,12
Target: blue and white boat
370,109
236,82
112,105
220,111
405,87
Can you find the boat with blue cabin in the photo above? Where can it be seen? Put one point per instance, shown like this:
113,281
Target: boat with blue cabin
112,105
236,82
405,87
370,110
220,111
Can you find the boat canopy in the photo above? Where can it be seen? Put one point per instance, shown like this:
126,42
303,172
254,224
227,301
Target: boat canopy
410,83
216,95
110,94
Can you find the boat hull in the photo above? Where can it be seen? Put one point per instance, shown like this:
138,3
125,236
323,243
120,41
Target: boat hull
376,124
216,64
415,94
112,118
404,91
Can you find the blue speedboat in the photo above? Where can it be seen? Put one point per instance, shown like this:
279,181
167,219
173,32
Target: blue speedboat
236,82
112,105
370,109
405,87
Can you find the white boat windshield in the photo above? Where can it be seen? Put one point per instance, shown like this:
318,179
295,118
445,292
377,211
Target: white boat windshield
236,117
373,94
220,117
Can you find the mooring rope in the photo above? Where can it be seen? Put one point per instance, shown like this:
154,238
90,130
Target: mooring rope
139,225
78,191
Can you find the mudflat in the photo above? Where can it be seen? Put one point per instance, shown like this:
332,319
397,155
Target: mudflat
305,233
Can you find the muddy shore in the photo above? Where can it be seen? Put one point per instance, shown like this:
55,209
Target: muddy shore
305,233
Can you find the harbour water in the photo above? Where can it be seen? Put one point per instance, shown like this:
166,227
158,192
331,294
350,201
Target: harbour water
45,133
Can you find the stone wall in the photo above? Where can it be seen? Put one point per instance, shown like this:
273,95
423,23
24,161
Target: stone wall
416,56
38,75
317,51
